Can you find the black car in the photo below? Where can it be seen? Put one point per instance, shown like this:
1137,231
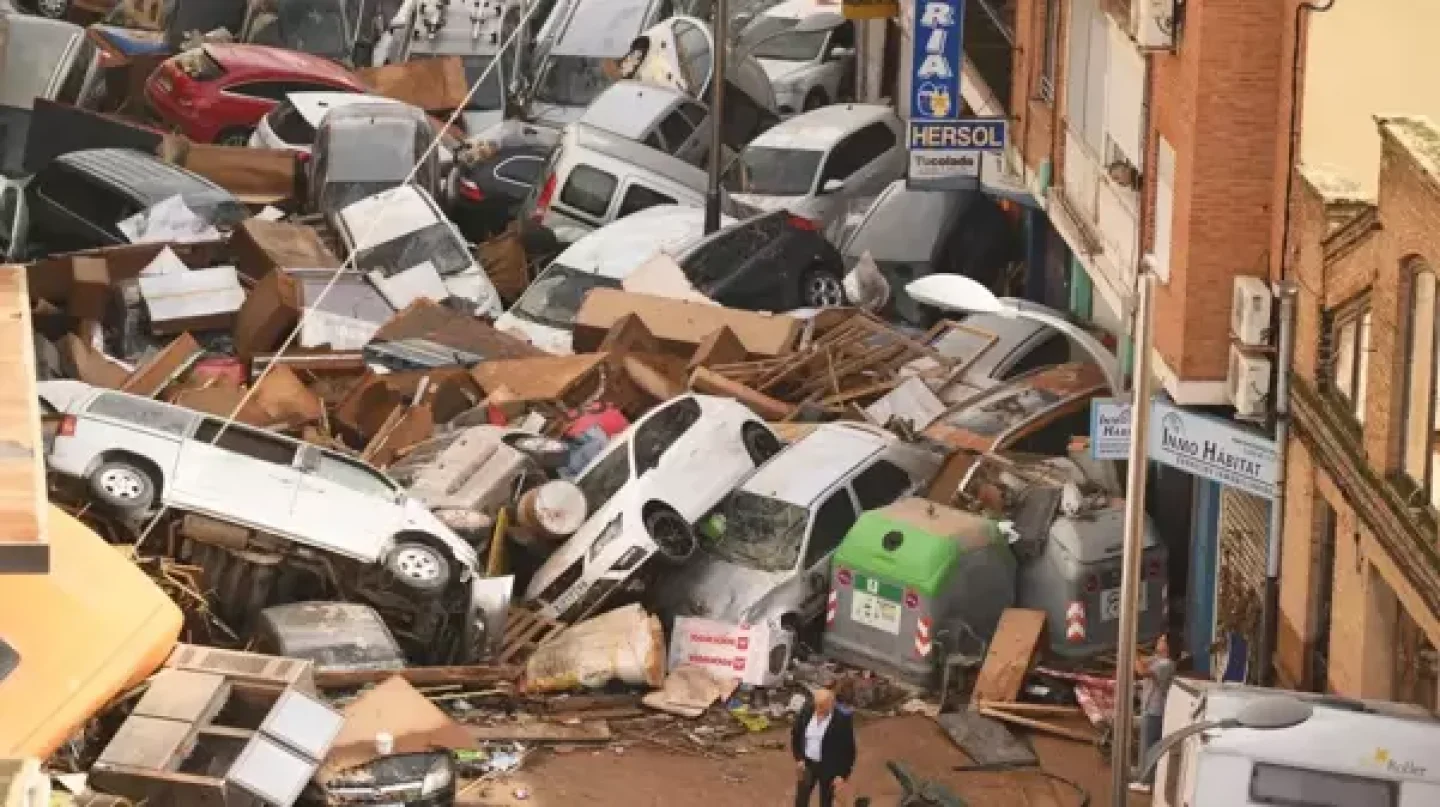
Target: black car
488,183
78,199
771,262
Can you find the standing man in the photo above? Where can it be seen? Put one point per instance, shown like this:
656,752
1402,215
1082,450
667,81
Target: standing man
823,743
1155,674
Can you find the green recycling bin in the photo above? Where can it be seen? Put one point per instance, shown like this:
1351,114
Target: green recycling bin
912,582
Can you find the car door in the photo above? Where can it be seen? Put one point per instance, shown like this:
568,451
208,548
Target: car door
833,520
239,474
345,505
670,448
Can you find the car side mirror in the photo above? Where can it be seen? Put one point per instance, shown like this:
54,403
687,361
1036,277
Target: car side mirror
839,53
832,185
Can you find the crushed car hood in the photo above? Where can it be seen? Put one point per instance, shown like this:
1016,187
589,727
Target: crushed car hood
718,589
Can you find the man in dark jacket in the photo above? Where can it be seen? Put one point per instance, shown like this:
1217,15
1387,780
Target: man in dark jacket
823,743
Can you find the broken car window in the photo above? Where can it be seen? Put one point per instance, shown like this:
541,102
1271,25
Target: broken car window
141,412
243,441
755,531
555,296
436,243
353,475
573,81
774,172
605,478
661,430
9,659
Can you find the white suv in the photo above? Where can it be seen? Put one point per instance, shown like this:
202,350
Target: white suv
135,453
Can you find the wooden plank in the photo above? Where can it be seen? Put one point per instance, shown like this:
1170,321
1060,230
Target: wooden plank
1011,653
23,513
590,731
1032,708
1039,725
479,675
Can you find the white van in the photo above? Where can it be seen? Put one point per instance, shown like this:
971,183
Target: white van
545,314
1347,754
136,453
402,228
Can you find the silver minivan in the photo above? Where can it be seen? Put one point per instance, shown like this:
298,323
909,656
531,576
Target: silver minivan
595,177
135,453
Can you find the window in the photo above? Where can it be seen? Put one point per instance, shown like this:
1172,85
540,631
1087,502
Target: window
91,202
661,430
601,481
858,150
1051,53
1352,357
520,170
588,190
1054,350
9,659
692,49
1417,447
639,197
353,475
676,130
880,484
1297,787
244,441
142,412
264,90
835,518
1164,208
1085,73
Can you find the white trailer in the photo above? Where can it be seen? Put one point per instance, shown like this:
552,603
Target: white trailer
1346,754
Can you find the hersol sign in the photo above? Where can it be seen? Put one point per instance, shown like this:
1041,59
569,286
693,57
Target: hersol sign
1216,449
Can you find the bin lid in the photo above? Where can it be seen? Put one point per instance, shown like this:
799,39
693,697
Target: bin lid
914,542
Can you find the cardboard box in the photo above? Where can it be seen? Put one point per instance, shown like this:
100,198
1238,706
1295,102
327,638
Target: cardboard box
260,247
90,288
255,176
198,300
434,85
270,312
682,326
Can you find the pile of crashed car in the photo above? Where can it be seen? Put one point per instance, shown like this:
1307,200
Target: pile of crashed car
389,337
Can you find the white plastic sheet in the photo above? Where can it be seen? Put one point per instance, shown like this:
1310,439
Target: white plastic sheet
626,644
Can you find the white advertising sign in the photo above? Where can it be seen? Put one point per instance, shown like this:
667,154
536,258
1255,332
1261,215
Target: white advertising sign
725,649
1109,429
1214,449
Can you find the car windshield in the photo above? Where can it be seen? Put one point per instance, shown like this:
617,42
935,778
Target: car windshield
436,244
573,80
771,38
371,150
773,172
319,27
755,531
488,96
555,296
603,479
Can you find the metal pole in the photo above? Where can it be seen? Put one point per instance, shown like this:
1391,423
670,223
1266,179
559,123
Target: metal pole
1270,615
717,115
1134,544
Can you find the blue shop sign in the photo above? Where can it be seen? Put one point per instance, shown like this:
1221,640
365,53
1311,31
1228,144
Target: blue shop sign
936,62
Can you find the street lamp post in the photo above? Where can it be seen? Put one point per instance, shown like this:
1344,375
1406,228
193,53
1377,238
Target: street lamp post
960,293
1262,714
717,115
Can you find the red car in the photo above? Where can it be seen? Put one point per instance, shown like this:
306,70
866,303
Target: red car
218,93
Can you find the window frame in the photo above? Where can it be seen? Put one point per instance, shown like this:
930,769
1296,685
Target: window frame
682,409
522,158
1359,315
585,213
1391,787
225,430
1049,52
870,472
1421,474
625,200
843,494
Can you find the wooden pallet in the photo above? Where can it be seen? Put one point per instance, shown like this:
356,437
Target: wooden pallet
524,631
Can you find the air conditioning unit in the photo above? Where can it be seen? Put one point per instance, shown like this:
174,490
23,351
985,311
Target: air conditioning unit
1152,22
1247,383
1250,311
23,784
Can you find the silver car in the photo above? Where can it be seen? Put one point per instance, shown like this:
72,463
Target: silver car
135,453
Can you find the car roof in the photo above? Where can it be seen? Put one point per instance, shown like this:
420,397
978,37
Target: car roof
824,127
243,60
620,247
629,108
312,106
654,161
147,176
395,212
808,467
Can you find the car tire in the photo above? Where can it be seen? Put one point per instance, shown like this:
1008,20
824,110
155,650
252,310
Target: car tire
419,566
814,100
238,136
123,486
759,442
671,533
821,288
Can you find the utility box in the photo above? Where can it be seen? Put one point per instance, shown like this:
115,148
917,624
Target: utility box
912,582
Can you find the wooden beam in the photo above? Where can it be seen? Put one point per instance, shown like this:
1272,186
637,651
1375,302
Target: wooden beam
24,510
1039,725
483,675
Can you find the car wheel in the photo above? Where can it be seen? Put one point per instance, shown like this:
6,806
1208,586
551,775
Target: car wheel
419,566
123,486
760,444
671,533
821,288
814,100
234,136
52,9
